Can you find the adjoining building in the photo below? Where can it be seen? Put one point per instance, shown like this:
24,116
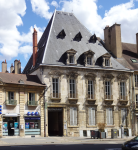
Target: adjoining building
21,102
87,85
127,55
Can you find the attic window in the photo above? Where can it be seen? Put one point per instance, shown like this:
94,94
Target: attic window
61,34
134,60
78,37
93,39
21,81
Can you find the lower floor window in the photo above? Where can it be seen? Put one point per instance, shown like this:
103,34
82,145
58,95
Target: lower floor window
73,116
109,116
91,113
124,116
32,125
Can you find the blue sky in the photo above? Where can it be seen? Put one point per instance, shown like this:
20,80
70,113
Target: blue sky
19,17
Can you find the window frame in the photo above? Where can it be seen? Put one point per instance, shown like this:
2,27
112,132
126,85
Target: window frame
89,60
73,111
72,88
55,87
91,122
126,114
108,89
107,62
32,99
136,80
122,93
9,95
90,89
110,115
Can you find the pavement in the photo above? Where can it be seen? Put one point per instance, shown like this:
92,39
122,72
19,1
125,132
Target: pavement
10,141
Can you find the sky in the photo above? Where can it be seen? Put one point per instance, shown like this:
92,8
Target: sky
19,17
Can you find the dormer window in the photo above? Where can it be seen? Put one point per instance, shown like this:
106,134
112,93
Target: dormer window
78,37
71,57
61,34
89,61
107,62
93,39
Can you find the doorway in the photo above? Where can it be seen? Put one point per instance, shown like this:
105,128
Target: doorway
11,128
55,121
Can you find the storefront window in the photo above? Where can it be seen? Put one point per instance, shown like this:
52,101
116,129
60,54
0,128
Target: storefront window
32,125
10,126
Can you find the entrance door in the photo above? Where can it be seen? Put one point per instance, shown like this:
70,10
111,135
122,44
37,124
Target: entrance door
55,121
11,128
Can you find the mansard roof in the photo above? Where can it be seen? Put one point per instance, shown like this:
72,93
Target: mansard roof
51,49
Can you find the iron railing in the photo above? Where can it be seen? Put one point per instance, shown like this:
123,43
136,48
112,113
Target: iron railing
32,103
108,96
11,102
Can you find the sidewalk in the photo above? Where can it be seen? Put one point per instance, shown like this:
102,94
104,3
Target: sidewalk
54,140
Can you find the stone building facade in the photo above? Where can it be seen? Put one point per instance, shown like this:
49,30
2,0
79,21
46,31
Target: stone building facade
86,84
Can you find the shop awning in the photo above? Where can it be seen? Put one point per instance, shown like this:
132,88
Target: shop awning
11,115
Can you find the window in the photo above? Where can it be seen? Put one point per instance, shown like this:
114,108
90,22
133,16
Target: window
134,60
136,80
72,88
136,99
90,90
89,60
91,112
55,88
11,95
73,116
109,116
107,62
31,98
122,90
123,116
71,59
107,90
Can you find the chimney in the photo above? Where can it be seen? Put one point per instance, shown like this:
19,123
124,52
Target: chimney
112,37
137,42
4,66
34,47
11,68
15,66
19,67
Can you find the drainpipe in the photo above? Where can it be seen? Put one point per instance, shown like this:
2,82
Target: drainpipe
133,102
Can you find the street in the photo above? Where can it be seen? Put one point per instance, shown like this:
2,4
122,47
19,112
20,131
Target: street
97,146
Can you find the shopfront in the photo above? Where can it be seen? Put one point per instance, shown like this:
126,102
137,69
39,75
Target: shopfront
10,126
32,125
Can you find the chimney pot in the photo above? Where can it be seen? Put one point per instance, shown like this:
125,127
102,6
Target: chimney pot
34,46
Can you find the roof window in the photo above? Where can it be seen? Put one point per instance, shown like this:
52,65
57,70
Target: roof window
78,37
93,39
134,60
61,34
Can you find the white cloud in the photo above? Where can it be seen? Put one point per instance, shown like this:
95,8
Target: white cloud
12,42
41,8
55,4
124,14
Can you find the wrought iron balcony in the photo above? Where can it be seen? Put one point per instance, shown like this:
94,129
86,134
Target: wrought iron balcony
32,103
73,98
90,98
11,102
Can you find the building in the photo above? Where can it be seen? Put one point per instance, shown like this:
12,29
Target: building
21,103
127,55
87,85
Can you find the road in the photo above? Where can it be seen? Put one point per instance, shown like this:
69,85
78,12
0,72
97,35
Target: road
96,146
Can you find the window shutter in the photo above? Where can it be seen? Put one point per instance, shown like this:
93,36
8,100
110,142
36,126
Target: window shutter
111,116
90,116
71,115
93,116
75,116
107,116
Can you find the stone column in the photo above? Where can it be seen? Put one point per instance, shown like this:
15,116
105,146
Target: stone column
22,121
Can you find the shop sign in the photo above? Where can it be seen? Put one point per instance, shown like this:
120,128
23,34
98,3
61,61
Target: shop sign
54,109
32,118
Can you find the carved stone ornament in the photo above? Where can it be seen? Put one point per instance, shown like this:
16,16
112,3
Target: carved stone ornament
108,76
71,51
90,76
122,77
108,102
55,73
1,82
89,52
123,102
107,55
72,74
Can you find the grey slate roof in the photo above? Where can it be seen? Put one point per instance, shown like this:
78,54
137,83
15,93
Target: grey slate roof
51,49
